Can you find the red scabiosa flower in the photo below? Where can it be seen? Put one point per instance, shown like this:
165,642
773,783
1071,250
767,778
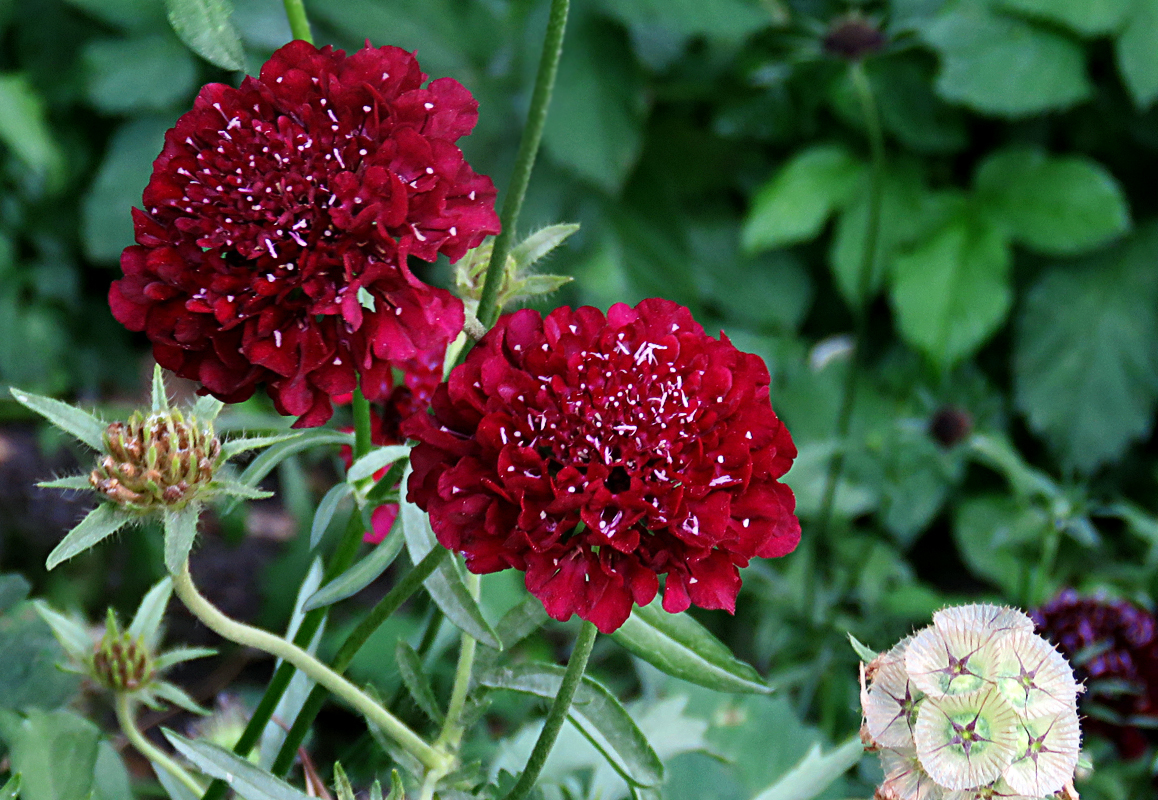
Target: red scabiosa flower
598,452
276,228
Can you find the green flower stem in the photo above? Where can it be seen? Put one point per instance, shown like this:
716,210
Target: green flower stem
488,310
558,713
358,637
295,10
274,645
452,729
361,406
125,715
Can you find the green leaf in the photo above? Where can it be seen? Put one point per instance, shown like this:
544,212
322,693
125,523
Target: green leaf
206,408
74,482
416,681
11,788
1136,55
46,741
719,19
180,654
375,460
1085,363
909,108
147,621
24,125
815,772
342,783
952,292
140,74
235,447
110,777
159,395
304,440
31,657
326,509
81,424
178,697
596,711
180,532
207,28
68,632
1086,17
998,64
997,536
397,790
863,651
250,782
536,246
239,490
1057,206
173,787
102,522
796,202
359,576
130,15
595,127
683,648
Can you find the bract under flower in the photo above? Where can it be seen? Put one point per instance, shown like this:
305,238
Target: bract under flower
279,218
599,452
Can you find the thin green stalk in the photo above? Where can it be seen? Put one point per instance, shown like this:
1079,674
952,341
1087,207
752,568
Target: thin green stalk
125,718
488,310
274,645
358,637
558,713
362,429
295,10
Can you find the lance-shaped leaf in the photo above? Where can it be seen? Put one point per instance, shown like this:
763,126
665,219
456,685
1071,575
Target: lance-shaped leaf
540,243
375,460
71,634
241,490
76,482
206,27
250,782
303,440
179,654
815,772
81,424
102,522
596,712
326,509
235,447
683,648
180,531
416,681
146,622
160,396
359,576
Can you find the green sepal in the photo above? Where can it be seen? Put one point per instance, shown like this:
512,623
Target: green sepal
236,489
102,522
180,654
160,398
77,482
234,447
177,696
180,531
529,251
206,409
863,651
81,424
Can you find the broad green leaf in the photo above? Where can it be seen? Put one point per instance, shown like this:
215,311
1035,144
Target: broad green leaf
359,576
683,648
74,482
375,460
250,782
1085,363
1086,17
796,202
274,455
815,772
234,447
1057,206
47,741
102,522
180,531
24,125
147,621
1000,64
14,587
952,292
416,681
106,211
1136,55
81,424
33,665
140,74
110,777
529,251
326,509
595,710
998,537
595,125
206,27
910,110
720,19
129,15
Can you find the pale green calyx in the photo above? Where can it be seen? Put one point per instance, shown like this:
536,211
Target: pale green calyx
973,707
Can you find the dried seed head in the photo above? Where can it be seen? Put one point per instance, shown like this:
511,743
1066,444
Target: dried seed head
1047,754
951,660
965,741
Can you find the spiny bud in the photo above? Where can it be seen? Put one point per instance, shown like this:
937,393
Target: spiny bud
121,662
975,706
159,459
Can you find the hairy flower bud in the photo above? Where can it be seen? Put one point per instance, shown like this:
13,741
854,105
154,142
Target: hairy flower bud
121,661
159,459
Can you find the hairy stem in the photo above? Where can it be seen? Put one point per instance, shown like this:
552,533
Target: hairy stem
295,10
125,718
488,310
274,645
558,713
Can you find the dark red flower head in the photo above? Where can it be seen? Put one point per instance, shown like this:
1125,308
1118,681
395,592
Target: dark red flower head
597,453
278,221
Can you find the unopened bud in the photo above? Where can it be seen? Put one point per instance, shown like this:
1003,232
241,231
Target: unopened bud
121,662
853,37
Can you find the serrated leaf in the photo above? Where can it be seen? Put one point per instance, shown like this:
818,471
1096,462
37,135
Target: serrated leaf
250,782
71,634
1087,17
1057,206
234,447
796,202
1136,55
81,424
207,28
102,522
416,681
683,648
326,509
75,482
1085,363
863,651
815,772
529,251
180,531
147,621
359,576
596,710
375,460
952,292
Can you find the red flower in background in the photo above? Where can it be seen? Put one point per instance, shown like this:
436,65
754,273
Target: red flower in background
278,221
597,453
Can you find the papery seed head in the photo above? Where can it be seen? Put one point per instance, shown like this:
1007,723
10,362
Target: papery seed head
1034,677
1047,754
905,778
951,661
965,741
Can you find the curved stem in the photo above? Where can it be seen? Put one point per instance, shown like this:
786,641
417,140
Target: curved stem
263,640
358,637
295,10
488,310
558,713
146,748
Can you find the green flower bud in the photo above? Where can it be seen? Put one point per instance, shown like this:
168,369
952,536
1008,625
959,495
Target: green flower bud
121,662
